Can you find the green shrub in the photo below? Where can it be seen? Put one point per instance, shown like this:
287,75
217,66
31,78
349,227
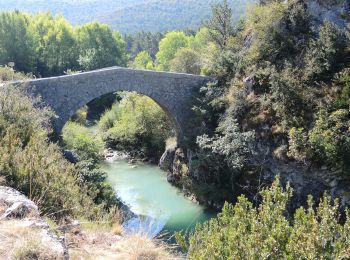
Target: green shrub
298,145
330,139
342,81
244,231
139,123
33,165
8,74
325,53
108,118
80,116
83,141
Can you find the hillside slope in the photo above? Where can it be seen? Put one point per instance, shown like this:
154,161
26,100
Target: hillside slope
129,16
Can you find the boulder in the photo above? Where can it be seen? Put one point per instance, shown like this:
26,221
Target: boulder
16,204
17,212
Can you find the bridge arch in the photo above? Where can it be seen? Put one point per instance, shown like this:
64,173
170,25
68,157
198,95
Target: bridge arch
171,91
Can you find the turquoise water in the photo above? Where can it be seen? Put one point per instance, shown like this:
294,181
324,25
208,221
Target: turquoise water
159,207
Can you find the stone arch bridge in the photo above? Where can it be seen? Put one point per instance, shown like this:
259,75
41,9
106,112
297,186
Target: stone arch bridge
174,92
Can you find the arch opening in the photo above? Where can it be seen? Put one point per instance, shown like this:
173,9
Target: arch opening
125,121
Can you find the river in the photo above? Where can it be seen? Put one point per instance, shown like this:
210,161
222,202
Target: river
158,206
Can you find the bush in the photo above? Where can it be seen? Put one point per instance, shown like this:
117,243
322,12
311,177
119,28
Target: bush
325,53
342,81
247,232
82,141
88,146
298,145
330,139
139,123
33,165
8,74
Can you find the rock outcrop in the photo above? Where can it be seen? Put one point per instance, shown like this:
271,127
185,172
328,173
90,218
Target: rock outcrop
175,162
335,11
23,233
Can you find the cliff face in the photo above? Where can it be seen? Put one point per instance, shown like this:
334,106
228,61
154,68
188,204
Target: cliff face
336,11
23,233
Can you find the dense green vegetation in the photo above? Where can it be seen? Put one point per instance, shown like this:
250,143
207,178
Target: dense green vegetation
281,96
282,92
88,148
244,231
47,46
35,166
129,16
137,124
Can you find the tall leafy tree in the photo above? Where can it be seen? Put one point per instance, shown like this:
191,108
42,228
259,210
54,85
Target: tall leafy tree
143,61
220,24
99,46
168,46
16,42
56,49
186,60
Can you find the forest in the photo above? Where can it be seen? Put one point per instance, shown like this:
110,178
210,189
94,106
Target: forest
129,16
271,140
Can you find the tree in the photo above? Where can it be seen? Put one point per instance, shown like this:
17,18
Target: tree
142,61
168,46
137,121
56,47
220,24
325,53
143,41
187,61
99,47
17,43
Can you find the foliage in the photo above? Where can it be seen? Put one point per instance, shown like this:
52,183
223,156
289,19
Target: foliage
142,61
330,138
17,43
232,144
298,145
55,44
143,41
98,188
220,26
88,147
138,122
81,140
99,46
243,231
285,94
33,165
8,74
325,53
168,47
48,45
342,81
281,29
186,61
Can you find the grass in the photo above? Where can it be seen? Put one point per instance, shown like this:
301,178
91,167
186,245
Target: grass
18,241
140,247
101,241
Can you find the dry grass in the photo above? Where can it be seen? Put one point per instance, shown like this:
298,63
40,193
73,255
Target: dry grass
22,242
139,247
94,244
